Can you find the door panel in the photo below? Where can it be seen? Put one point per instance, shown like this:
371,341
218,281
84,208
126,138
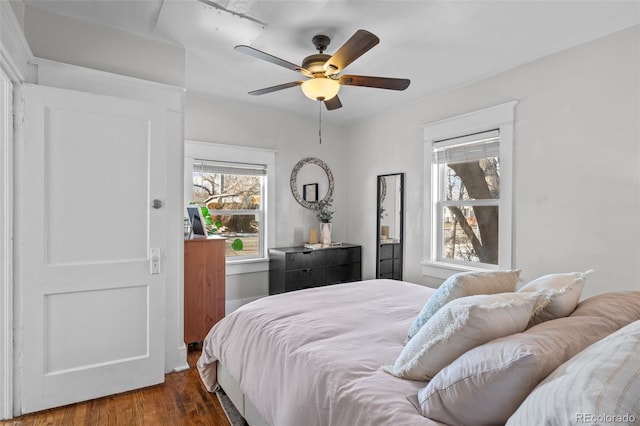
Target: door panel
104,306
83,190
92,313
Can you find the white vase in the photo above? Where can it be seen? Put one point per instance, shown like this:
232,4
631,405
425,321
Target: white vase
325,233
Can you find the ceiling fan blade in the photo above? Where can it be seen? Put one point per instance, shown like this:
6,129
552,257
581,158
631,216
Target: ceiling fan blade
377,82
248,50
333,103
352,49
275,88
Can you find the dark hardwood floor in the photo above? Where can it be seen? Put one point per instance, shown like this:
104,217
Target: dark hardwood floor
181,400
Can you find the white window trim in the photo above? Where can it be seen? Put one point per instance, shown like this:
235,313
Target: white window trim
497,117
233,153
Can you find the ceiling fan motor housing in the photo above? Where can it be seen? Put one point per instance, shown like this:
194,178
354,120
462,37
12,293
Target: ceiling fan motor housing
314,64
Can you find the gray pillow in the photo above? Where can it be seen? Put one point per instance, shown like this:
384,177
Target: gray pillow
486,385
621,307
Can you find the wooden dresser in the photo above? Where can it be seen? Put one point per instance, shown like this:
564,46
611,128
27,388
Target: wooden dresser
296,268
204,281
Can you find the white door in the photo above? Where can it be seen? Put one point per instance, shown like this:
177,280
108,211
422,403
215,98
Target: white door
91,311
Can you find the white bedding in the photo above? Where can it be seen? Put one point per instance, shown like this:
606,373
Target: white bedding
313,357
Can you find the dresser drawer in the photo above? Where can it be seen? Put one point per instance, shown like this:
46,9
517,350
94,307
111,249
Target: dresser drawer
343,273
305,278
307,259
343,256
297,268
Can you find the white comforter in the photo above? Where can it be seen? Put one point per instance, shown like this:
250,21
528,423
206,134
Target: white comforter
313,357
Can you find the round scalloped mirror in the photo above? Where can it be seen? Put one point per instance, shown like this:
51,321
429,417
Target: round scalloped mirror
311,186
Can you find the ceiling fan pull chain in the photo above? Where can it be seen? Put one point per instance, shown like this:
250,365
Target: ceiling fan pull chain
320,122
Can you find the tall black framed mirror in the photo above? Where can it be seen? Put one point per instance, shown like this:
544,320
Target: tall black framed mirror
390,226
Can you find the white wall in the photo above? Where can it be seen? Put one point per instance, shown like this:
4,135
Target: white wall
576,165
294,138
72,41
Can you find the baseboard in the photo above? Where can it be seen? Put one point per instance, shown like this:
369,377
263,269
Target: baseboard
182,354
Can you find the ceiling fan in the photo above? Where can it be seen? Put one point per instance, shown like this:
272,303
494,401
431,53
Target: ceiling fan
323,71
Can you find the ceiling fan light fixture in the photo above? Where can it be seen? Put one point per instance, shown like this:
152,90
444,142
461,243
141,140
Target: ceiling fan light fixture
320,88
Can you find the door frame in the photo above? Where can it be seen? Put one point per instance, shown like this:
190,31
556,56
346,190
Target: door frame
71,77
15,69
6,246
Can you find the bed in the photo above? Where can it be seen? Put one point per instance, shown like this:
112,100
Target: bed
328,356
335,340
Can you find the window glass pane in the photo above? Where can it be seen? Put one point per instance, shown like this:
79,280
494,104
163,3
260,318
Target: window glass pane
243,227
472,180
222,193
218,191
470,234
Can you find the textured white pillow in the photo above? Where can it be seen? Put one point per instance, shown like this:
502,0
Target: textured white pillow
600,385
461,285
558,295
458,326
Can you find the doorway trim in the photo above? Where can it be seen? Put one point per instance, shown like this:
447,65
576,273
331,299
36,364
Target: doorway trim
6,247
15,69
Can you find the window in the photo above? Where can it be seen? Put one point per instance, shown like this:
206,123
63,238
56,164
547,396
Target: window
233,194
468,192
467,182
235,184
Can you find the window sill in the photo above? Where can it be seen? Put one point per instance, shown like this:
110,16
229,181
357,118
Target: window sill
445,270
247,266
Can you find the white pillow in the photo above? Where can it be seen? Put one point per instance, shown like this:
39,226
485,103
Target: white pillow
558,295
460,325
461,285
599,385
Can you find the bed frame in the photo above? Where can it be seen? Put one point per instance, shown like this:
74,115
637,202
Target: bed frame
235,394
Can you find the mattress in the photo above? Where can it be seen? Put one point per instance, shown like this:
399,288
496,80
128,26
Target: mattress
313,356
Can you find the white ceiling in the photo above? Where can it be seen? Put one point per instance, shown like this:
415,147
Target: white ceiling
436,44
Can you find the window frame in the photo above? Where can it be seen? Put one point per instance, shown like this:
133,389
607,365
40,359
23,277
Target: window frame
235,168
499,117
199,150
